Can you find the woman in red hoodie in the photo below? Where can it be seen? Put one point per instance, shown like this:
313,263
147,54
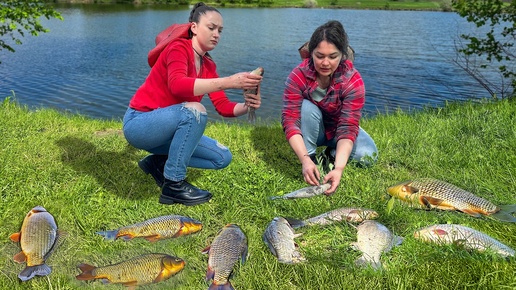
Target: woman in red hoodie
166,118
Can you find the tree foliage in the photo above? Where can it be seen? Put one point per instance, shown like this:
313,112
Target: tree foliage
18,17
497,46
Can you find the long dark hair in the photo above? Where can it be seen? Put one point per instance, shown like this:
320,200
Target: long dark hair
334,33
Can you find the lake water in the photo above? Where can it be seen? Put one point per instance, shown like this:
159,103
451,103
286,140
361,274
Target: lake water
92,62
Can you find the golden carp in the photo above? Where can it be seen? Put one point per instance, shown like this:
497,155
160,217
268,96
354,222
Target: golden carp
141,270
38,238
251,114
373,239
229,246
469,238
305,192
279,238
163,227
348,214
431,193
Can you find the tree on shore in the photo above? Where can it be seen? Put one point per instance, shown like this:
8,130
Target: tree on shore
496,46
20,16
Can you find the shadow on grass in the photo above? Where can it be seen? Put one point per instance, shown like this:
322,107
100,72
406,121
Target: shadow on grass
114,171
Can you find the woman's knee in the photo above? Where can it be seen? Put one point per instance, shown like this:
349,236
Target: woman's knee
195,106
225,159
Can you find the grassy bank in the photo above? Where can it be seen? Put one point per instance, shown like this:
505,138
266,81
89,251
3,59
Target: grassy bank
85,174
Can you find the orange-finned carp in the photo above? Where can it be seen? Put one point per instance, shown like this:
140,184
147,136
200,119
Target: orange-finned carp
141,270
229,246
469,238
38,238
279,238
374,239
163,227
305,192
251,114
430,193
348,214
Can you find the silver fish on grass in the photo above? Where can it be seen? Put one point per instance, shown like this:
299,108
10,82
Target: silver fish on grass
228,247
374,239
279,237
306,192
251,112
470,239
38,238
348,214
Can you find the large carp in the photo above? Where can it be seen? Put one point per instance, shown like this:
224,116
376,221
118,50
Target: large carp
279,238
428,193
305,192
38,238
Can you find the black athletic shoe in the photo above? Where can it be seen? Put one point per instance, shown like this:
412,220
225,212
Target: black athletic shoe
182,192
154,165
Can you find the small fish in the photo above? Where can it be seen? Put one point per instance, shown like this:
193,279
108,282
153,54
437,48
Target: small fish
251,114
305,192
38,238
141,270
430,193
163,227
373,239
279,237
348,214
229,246
469,238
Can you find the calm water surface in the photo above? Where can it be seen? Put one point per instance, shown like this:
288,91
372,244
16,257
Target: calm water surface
92,62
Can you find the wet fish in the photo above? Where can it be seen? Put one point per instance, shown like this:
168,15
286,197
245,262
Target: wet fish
348,214
229,246
141,270
373,239
38,238
163,227
251,114
431,193
306,192
279,237
469,238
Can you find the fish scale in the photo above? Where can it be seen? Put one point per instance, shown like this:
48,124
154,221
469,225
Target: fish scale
279,237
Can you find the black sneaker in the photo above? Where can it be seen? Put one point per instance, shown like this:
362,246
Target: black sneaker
154,165
183,192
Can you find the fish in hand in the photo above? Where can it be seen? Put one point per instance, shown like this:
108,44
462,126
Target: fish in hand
251,112
305,192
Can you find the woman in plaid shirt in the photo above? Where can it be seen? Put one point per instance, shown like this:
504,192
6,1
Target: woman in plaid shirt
322,104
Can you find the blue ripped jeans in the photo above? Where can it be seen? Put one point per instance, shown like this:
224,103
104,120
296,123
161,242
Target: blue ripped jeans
176,131
364,149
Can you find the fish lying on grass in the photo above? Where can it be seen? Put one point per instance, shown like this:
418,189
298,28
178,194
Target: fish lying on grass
141,270
431,193
374,239
251,112
279,237
306,192
469,238
348,214
163,227
38,238
229,246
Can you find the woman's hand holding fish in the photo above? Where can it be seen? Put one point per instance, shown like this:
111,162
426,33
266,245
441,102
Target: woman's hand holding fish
244,80
310,171
253,100
333,177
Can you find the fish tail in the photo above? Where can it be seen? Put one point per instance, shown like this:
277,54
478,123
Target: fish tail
363,261
30,271
275,197
506,213
109,235
87,272
226,286
295,223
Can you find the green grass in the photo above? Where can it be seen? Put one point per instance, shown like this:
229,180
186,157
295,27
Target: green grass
85,174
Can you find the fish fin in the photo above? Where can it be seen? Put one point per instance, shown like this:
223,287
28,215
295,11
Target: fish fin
20,257
275,197
15,237
153,238
87,272
30,271
505,214
131,284
430,202
109,235
210,274
440,232
295,223
244,255
471,212
226,286
363,261
206,250
398,240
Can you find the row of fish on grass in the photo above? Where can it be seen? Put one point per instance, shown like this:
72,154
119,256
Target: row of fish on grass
373,238
39,237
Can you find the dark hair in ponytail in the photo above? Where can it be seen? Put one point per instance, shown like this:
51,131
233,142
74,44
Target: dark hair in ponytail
333,32
200,9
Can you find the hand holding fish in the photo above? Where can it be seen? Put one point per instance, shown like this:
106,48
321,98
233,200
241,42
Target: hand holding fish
333,177
245,80
310,171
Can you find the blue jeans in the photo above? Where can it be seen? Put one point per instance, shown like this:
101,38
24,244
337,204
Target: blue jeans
364,149
176,131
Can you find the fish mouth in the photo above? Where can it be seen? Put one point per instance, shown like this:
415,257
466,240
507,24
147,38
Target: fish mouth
191,227
402,190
